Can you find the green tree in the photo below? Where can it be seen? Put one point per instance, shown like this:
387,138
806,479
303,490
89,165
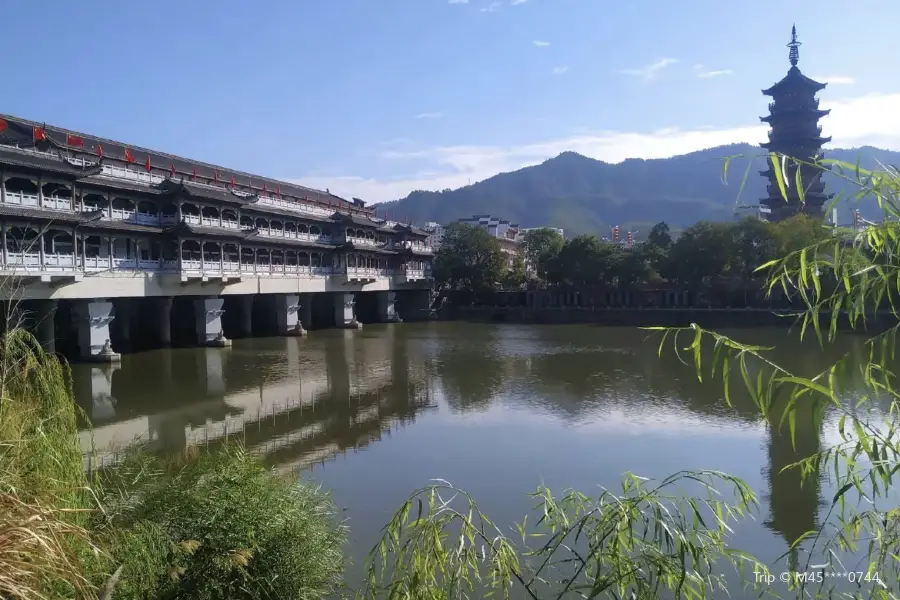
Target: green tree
542,246
469,263
587,260
754,244
660,236
701,254
515,275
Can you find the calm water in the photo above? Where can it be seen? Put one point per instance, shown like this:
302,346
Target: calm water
495,409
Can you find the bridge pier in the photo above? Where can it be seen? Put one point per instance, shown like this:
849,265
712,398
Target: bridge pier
278,315
208,322
91,321
244,317
120,328
304,311
160,315
345,311
387,310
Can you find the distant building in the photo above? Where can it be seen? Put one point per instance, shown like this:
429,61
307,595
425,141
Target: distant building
507,234
795,132
435,237
556,229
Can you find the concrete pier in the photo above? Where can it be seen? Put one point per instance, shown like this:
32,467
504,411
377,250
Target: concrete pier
387,311
287,308
208,322
160,315
345,311
304,311
92,324
244,318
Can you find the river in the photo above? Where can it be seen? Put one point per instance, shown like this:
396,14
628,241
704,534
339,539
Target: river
494,409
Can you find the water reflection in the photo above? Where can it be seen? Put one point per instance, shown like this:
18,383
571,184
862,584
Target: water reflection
569,391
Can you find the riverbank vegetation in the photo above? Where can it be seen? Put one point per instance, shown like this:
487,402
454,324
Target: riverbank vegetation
199,525
472,264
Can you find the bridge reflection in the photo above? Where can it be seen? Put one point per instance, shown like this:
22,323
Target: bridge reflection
295,402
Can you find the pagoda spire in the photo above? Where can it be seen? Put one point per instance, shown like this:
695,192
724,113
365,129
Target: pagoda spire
794,54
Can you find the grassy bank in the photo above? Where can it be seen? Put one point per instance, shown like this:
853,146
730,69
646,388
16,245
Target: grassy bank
199,525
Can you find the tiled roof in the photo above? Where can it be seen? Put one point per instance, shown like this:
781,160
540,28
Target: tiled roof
16,158
20,131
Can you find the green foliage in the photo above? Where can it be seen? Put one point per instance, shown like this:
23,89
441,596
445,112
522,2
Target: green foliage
217,525
469,263
43,490
515,274
587,260
541,247
638,543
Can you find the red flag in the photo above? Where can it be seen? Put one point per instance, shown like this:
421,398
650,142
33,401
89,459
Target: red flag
216,175
232,181
3,125
307,197
129,157
278,191
195,173
264,189
39,134
99,151
147,163
74,140
172,170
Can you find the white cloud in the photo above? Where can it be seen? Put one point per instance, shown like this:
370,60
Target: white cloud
517,2
429,115
540,43
560,70
492,7
711,74
457,1
871,119
649,72
836,80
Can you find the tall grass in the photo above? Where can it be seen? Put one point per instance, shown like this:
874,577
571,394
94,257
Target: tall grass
210,525
44,495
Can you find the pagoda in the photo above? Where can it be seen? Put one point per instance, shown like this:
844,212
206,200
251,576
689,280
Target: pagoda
795,132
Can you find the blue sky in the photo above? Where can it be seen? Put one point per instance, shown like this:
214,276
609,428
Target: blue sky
374,98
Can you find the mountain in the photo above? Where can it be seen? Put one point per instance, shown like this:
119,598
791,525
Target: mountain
583,195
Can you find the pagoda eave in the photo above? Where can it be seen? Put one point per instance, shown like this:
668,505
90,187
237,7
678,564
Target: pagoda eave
807,142
794,113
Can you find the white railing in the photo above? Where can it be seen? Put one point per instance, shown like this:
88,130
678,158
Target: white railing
59,261
27,259
211,222
147,218
358,272
363,241
303,207
121,214
23,199
56,203
130,174
230,225
191,219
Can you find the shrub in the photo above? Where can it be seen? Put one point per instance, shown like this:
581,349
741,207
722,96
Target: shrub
217,525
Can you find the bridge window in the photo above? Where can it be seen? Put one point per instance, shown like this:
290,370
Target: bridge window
22,240
277,257
58,242
168,249
21,185
315,231
229,216
290,258
189,209
247,222
56,190
290,227
211,252
277,226
209,212
169,209
95,201
303,259
262,223
231,252
148,208
119,203
248,256
302,228
148,249
316,259
190,250
262,257
94,246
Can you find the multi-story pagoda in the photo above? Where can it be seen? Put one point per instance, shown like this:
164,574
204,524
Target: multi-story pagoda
795,132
